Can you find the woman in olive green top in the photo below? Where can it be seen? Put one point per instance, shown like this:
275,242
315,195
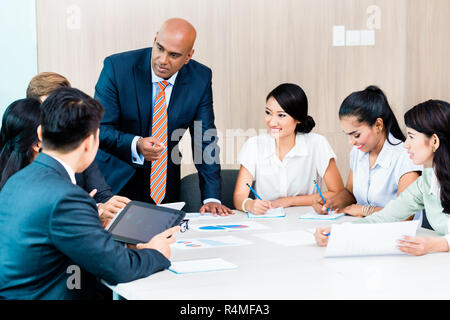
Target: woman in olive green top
428,127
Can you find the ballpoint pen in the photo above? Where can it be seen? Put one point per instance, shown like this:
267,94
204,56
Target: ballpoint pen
253,191
321,195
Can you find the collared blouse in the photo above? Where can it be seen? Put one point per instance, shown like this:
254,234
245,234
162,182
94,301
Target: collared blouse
308,160
379,185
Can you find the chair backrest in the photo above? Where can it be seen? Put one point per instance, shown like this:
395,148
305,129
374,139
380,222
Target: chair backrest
425,223
190,191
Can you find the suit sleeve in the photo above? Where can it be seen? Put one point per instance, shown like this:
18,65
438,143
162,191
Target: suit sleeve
112,140
94,179
206,147
76,231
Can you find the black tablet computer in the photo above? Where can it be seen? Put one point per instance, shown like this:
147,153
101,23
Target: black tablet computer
139,221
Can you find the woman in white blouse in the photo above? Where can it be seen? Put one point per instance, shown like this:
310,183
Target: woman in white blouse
285,161
380,168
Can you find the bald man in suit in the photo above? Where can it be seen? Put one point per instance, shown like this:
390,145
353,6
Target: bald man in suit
130,87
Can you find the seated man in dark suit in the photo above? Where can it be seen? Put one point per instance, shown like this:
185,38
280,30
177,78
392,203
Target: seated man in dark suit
49,226
151,96
91,179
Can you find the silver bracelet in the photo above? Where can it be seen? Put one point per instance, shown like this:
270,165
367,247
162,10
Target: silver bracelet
368,210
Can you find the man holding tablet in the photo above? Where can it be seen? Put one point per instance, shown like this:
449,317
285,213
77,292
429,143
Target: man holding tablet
49,227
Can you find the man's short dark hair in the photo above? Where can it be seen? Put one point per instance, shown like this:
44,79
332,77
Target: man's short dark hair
68,116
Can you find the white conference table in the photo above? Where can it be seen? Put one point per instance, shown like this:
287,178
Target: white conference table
270,271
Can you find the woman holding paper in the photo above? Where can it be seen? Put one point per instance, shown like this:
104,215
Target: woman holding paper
285,162
380,168
427,143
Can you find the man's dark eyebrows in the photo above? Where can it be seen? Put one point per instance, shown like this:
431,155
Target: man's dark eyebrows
162,47
175,53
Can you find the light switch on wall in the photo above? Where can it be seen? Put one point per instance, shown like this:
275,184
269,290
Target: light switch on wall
338,36
367,37
353,38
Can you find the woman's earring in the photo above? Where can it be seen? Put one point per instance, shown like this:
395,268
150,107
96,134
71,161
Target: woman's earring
433,148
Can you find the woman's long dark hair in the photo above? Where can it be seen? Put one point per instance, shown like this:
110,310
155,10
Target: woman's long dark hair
17,136
433,117
367,106
292,99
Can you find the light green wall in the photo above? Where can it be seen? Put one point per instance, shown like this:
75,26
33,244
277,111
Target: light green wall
18,49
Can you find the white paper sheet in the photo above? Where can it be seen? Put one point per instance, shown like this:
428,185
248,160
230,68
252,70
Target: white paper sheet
210,242
271,213
289,238
207,215
315,216
201,265
173,205
350,239
229,227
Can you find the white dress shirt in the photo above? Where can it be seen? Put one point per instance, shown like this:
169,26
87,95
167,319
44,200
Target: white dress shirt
69,170
308,160
379,185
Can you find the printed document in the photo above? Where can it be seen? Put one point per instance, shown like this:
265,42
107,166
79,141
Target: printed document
349,239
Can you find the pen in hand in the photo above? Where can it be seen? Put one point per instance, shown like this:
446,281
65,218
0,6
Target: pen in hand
259,207
321,195
253,191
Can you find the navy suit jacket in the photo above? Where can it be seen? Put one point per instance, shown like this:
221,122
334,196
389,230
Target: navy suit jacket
125,90
48,224
92,178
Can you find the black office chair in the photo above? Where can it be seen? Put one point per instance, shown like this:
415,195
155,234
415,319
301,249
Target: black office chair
425,223
190,191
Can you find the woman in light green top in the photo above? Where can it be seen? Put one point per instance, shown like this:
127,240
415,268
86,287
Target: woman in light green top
428,128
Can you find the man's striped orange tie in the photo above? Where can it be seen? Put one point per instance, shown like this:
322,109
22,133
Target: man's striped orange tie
158,171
